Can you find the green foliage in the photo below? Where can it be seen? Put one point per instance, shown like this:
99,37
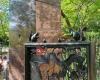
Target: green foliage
82,13
4,22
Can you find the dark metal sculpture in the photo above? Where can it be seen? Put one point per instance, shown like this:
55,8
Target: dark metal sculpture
78,35
33,37
64,64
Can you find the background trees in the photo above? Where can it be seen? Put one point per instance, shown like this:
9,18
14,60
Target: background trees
22,21
80,12
83,13
4,22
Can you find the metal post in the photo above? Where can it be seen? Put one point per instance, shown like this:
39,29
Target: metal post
27,64
92,61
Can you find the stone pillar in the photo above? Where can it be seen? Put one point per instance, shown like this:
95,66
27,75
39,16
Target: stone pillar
48,22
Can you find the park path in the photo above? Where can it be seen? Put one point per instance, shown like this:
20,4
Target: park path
14,73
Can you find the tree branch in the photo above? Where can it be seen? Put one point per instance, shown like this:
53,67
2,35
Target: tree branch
66,19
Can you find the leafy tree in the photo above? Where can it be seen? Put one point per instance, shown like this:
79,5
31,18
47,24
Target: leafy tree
81,13
22,21
22,13
4,22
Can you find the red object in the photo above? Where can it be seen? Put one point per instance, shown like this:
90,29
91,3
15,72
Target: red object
39,50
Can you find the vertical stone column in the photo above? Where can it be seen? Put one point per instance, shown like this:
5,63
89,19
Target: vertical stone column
48,24
48,19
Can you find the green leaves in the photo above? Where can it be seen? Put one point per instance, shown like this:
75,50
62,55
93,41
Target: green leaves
84,13
81,12
4,24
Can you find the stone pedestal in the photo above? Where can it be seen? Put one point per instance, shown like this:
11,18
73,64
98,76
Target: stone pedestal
48,24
